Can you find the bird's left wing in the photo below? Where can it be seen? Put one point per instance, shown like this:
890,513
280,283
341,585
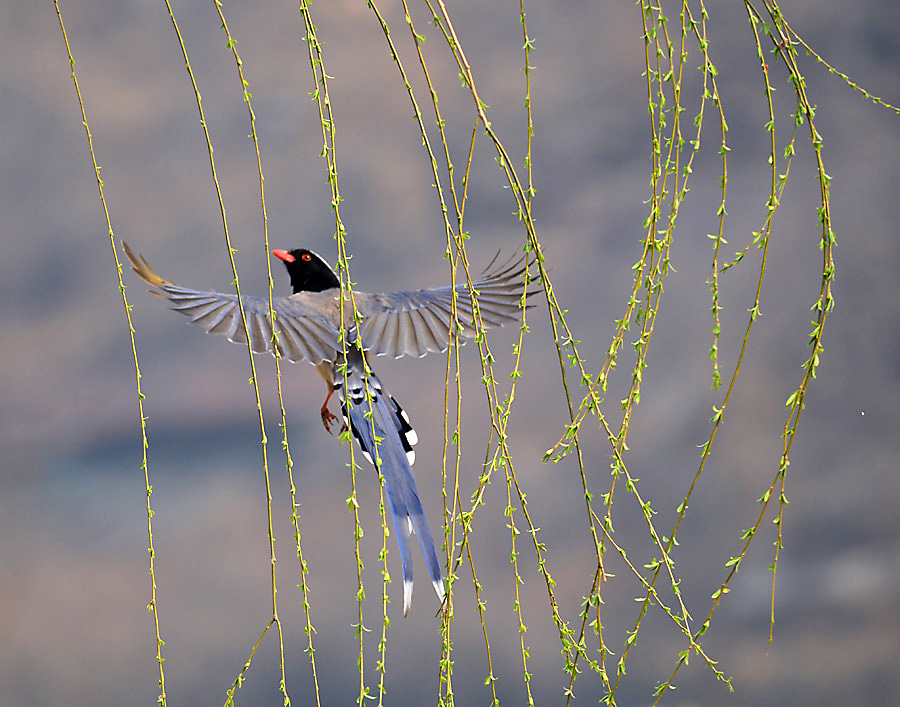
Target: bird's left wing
415,322
304,328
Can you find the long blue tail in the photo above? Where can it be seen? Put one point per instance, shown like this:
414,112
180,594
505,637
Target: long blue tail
387,435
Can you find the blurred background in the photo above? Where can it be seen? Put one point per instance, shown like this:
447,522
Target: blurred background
74,579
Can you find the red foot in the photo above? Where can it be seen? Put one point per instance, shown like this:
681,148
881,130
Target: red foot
328,418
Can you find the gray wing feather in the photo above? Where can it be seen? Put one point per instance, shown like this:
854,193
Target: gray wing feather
398,324
302,333
305,329
415,322
219,313
302,337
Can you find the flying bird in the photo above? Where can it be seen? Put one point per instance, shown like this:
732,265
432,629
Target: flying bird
308,326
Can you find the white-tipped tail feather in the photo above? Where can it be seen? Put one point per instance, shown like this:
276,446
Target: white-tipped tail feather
380,425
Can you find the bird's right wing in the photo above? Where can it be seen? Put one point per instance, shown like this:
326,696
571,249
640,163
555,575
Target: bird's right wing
304,329
416,322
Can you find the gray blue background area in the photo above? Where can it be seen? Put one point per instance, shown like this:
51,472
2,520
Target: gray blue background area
74,628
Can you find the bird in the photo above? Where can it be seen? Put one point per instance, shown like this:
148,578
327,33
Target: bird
309,326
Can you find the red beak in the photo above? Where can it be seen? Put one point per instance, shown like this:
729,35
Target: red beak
283,255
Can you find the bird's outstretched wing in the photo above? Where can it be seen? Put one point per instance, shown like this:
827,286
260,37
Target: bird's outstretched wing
304,329
415,322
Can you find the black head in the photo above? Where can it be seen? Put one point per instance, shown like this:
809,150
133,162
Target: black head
309,272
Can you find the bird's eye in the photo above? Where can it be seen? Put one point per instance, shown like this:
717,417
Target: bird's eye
306,256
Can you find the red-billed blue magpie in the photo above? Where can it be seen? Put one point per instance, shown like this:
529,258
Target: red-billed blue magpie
308,325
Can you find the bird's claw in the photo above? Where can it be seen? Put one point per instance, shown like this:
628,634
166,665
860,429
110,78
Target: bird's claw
329,418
